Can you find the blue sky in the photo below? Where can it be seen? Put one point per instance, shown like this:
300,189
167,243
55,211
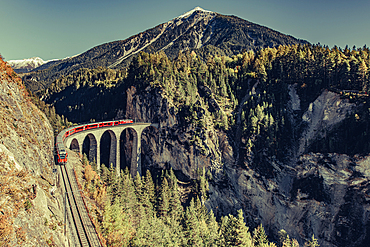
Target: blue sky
56,29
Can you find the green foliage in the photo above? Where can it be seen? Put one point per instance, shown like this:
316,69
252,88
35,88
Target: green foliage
163,199
27,204
118,228
312,243
149,213
259,236
235,232
202,186
205,92
57,122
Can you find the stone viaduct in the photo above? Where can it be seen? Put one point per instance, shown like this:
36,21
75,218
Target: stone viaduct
95,135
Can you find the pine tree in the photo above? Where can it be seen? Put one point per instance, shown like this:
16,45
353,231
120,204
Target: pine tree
213,237
112,181
362,75
228,230
152,231
282,236
140,209
138,186
235,232
163,199
149,193
312,243
175,207
259,236
243,236
117,225
203,185
192,226
128,197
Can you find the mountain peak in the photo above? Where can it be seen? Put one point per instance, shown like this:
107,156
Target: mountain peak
25,65
212,33
189,13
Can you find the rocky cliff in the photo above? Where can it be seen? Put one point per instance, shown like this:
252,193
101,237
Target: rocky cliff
313,193
30,212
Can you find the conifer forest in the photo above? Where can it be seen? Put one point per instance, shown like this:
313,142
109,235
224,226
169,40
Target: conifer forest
211,92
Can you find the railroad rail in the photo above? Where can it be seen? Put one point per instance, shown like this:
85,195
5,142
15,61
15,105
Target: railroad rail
83,230
87,235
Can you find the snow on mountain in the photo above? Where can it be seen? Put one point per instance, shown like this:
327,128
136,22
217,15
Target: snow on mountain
189,13
26,65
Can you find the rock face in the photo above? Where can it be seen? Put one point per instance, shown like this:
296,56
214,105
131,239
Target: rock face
173,145
334,189
30,215
327,195
322,114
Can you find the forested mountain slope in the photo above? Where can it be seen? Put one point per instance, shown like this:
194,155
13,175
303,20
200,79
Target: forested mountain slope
283,131
208,31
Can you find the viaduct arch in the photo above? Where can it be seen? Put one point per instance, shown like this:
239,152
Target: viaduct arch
76,140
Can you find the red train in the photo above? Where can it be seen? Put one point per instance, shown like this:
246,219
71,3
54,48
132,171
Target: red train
61,154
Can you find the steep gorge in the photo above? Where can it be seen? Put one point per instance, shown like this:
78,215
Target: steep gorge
312,194
283,137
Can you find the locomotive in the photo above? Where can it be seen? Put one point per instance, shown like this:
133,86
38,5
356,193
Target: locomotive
61,153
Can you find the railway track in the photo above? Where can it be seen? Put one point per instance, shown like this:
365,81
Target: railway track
86,232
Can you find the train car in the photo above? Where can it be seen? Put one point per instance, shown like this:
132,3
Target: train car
106,124
127,121
79,129
62,157
61,153
91,126
69,132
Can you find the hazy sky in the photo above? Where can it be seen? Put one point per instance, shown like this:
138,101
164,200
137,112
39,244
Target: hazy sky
56,29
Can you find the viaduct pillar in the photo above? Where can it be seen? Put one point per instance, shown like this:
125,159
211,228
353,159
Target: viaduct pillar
115,132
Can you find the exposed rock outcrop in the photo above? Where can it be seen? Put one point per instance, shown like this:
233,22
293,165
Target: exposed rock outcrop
173,145
322,114
325,195
30,214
